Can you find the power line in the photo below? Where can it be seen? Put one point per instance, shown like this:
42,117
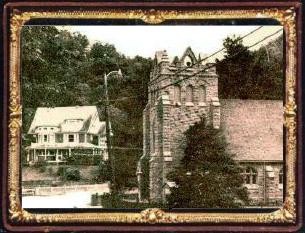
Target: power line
201,60
181,70
212,65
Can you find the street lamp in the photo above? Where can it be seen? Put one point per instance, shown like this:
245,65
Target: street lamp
108,137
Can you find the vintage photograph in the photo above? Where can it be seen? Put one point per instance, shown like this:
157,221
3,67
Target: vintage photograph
152,116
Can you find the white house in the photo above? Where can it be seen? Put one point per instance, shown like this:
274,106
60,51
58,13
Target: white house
61,132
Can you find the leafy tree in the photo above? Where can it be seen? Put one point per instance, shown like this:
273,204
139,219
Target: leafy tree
245,74
53,63
208,176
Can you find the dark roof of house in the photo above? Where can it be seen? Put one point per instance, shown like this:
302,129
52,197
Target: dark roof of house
253,128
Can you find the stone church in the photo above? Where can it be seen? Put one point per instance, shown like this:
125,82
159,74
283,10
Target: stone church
179,96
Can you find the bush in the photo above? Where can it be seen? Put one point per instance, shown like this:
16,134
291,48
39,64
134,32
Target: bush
61,171
72,174
110,200
42,166
69,173
50,170
103,172
83,159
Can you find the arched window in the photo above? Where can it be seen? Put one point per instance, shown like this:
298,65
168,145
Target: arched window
188,61
250,175
281,176
189,94
177,93
202,94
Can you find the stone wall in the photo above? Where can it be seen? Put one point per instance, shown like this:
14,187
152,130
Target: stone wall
168,118
267,190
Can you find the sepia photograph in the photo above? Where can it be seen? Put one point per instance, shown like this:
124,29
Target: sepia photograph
164,116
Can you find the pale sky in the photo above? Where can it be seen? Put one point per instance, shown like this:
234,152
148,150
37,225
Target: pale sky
146,40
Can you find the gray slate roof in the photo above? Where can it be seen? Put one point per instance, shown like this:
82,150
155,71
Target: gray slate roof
253,128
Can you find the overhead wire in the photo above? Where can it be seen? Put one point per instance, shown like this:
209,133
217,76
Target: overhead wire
212,65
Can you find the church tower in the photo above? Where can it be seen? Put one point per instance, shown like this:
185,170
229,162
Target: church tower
181,92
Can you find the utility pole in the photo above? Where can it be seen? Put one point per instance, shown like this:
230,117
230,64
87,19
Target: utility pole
108,131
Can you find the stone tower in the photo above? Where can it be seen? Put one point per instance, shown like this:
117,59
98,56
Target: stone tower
180,94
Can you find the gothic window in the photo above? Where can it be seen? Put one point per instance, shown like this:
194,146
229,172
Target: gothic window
45,138
189,94
250,175
177,93
202,94
281,176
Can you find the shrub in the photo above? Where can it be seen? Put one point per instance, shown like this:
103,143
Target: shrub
42,166
50,170
61,171
103,172
68,173
72,174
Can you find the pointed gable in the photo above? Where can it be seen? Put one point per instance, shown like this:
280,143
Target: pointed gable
188,58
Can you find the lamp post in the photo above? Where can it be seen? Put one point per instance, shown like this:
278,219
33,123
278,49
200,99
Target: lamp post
108,136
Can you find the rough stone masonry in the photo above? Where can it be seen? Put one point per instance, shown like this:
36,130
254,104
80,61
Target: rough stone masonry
180,94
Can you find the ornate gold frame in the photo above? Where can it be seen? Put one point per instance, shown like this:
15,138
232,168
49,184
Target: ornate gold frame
286,214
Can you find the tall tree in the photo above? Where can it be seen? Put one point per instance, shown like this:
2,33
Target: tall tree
53,63
245,74
208,176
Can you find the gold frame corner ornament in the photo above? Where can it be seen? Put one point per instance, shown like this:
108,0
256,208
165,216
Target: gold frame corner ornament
286,214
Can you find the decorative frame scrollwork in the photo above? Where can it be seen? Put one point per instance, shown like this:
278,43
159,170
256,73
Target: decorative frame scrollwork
286,214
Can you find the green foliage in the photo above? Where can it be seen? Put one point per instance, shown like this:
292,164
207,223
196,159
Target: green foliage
145,178
60,69
72,174
61,171
53,63
83,159
103,172
109,200
68,173
208,176
245,74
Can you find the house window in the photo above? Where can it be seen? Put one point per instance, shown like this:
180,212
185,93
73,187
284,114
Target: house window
45,138
71,138
177,93
95,140
202,94
250,175
81,137
59,138
281,176
189,94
